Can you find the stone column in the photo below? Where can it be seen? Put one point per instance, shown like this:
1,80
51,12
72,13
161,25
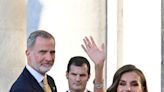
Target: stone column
12,41
119,33
162,63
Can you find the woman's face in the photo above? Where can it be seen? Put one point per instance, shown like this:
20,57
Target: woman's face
130,82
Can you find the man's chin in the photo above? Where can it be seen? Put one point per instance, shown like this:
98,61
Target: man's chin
44,70
78,88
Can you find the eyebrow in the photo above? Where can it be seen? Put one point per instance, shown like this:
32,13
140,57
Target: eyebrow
122,81
43,51
134,81
130,81
78,74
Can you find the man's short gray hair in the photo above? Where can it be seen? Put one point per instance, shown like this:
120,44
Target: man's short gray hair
39,33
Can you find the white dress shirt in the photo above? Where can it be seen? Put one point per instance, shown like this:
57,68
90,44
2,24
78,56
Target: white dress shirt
84,90
35,74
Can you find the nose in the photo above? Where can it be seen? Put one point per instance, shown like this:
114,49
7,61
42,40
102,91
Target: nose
78,78
128,88
49,57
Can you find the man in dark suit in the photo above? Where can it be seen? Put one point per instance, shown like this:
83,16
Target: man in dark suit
40,58
78,68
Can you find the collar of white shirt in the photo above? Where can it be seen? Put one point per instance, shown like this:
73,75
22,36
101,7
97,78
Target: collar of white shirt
35,74
84,90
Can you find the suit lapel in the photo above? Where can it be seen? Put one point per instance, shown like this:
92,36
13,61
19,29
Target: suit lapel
35,84
33,81
52,84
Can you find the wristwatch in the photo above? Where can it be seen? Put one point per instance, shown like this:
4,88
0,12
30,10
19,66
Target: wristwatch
98,85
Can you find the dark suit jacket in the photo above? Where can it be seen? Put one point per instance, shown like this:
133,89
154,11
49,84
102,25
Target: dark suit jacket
27,83
87,91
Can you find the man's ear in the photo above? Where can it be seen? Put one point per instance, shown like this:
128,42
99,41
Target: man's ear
27,52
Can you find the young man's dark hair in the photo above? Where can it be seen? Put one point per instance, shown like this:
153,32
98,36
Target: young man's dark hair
78,61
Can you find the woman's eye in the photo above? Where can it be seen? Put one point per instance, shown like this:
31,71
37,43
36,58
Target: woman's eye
122,83
134,84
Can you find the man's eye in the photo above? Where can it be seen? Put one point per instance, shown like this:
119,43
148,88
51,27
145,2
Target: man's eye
74,74
82,75
52,52
42,52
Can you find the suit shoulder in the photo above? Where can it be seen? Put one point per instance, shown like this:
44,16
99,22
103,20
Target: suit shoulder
17,86
21,81
19,89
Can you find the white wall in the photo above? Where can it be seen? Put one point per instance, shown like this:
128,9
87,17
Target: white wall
142,34
141,39
70,21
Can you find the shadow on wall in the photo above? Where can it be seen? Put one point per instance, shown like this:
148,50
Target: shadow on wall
34,9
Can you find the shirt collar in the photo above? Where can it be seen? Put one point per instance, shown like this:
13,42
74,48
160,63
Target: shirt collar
35,74
84,90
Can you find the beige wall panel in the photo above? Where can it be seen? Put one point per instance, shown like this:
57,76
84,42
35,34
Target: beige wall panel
12,41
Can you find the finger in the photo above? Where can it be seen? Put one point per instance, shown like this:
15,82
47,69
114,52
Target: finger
83,47
88,42
92,41
103,47
85,42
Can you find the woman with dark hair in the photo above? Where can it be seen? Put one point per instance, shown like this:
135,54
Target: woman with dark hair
128,79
